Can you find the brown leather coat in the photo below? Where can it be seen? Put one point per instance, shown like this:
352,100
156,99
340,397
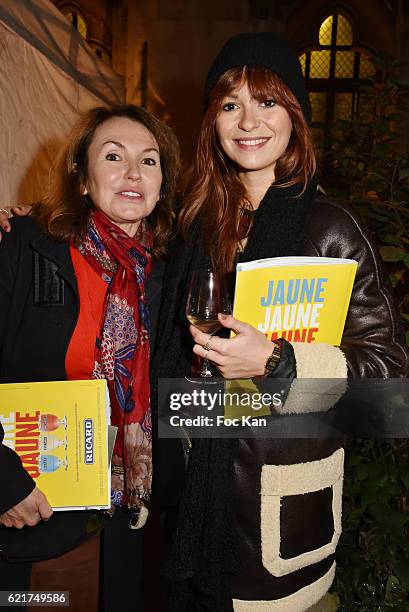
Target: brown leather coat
288,491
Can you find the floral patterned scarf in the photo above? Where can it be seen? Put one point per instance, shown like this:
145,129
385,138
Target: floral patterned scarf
122,350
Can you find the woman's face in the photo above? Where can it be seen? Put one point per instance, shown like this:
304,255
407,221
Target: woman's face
253,134
124,175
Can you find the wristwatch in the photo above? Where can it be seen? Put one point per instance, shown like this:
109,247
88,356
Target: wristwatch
274,359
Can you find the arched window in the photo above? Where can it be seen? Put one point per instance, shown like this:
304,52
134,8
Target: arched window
77,21
335,71
103,54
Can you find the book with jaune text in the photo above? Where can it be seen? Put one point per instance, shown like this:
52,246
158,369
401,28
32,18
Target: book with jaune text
60,432
301,299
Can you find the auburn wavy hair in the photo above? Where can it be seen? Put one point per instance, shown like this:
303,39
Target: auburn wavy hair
214,191
63,213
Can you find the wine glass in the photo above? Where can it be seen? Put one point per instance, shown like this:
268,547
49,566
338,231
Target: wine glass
207,297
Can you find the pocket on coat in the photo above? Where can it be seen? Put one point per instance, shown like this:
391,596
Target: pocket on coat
301,508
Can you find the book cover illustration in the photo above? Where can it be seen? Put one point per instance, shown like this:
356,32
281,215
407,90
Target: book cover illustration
60,432
301,299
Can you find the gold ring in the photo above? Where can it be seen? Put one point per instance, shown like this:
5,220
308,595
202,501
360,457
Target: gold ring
6,212
207,345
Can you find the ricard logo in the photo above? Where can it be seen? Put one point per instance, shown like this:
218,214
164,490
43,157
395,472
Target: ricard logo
88,441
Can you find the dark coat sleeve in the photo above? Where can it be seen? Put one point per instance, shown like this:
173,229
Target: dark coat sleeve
373,341
7,258
15,483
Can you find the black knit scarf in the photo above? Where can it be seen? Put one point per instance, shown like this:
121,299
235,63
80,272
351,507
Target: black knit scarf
202,557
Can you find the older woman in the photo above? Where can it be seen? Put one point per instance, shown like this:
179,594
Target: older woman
75,281
260,519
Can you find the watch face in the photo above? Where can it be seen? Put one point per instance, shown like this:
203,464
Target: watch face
273,360
272,364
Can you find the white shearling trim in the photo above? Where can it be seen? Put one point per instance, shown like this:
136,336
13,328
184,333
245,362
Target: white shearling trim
319,361
281,480
316,388
302,477
299,601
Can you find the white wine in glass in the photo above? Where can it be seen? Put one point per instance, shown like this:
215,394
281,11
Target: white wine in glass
208,326
207,297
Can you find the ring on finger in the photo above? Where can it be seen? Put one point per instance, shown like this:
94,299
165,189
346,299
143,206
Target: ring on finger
6,212
206,354
207,345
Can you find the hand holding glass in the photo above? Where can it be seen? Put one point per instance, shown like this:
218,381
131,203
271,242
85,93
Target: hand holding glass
207,297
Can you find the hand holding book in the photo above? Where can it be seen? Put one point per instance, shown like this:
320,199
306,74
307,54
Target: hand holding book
60,432
302,299
30,511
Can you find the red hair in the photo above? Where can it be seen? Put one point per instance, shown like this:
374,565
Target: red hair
215,192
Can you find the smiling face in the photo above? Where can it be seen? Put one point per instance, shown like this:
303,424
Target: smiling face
254,134
124,175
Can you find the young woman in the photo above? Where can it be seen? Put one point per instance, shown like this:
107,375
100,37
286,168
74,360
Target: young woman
79,285
260,519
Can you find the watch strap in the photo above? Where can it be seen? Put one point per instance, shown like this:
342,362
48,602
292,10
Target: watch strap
274,359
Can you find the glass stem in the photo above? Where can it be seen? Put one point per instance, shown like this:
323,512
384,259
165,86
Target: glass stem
206,371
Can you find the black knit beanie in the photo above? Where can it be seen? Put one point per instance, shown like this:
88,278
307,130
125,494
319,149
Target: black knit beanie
265,49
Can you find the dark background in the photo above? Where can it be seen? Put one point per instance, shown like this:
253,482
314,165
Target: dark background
163,48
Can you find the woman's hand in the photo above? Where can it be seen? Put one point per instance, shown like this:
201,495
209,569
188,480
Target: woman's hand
30,511
8,211
242,356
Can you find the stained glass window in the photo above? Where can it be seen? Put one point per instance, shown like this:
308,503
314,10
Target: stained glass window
325,36
344,64
343,106
102,54
78,22
302,59
366,67
320,64
344,31
318,104
335,58
334,70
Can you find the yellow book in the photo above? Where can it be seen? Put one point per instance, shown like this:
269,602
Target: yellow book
301,299
60,431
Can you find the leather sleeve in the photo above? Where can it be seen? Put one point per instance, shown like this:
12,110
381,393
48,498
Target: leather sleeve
373,340
286,367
